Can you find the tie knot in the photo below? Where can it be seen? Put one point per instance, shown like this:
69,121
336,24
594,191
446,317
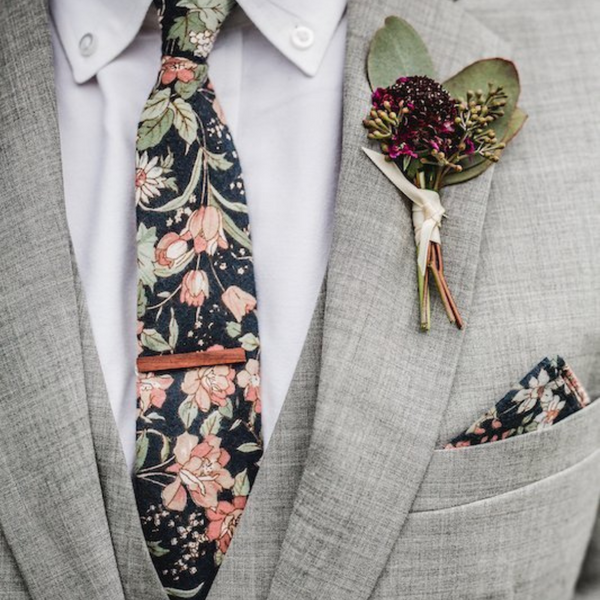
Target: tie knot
190,27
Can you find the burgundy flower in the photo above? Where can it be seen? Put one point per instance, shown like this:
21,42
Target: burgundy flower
469,146
381,96
429,123
426,113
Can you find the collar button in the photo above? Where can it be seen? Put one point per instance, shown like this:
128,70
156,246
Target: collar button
303,37
87,45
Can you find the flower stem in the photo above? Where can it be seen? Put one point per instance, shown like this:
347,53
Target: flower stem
149,477
153,468
441,290
165,300
437,268
424,303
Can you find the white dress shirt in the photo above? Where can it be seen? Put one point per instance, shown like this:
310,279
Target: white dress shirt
277,70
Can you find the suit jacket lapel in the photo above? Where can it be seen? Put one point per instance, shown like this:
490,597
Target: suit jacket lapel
384,385
71,520
138,575
54,503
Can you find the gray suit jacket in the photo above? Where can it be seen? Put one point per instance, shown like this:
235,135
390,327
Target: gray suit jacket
354,500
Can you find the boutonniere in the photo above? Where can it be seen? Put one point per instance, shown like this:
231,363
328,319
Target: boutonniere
433,134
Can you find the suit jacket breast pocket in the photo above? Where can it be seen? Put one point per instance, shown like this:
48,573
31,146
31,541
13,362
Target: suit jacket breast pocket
463,475
504,520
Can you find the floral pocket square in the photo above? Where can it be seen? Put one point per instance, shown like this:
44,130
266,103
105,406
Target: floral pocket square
546,395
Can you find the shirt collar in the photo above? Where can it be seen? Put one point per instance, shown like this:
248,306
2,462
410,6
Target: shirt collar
94,33
301,31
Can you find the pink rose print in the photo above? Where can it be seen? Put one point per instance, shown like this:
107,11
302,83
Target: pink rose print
200,469
239,302
151,390
461,444
249,379
170,250
224,520
194,288
205,227
176,68
209,385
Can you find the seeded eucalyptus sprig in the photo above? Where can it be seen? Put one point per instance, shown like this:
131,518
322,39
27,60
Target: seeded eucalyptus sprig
475,115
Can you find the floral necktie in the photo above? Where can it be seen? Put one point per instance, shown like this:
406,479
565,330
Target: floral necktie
199,428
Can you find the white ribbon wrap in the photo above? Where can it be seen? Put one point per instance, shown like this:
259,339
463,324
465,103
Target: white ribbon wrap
427,209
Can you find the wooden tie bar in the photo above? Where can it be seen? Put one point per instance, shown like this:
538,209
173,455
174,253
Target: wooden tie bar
190,360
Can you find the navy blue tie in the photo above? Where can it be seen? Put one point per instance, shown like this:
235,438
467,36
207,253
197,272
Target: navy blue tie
199,428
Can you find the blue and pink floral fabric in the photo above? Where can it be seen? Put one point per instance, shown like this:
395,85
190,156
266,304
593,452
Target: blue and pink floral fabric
545,396
199,430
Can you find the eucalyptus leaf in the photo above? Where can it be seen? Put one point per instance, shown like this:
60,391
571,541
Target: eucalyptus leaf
515,124
468,174
397,50
477,76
